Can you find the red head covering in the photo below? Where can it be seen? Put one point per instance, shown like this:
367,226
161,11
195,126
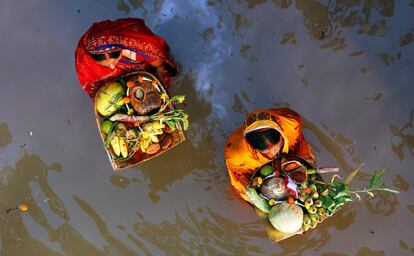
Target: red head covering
105,36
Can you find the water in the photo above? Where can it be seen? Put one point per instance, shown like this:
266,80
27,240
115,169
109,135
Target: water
346,66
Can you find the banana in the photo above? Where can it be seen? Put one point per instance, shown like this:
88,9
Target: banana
115,145
154,138
144,145
153,126
123,147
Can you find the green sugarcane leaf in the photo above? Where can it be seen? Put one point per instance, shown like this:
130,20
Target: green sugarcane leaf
370,193
351,176
388,190
376,179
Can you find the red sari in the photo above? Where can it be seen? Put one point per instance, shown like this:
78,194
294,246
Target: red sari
129,34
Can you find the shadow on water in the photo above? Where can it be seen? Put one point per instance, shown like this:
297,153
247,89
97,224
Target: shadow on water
199,144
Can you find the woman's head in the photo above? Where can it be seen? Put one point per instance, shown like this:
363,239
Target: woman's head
108,58
267,140
262,131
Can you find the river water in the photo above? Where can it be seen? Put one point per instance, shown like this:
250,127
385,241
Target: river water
345,66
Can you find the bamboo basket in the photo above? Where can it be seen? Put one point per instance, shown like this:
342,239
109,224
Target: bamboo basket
139,157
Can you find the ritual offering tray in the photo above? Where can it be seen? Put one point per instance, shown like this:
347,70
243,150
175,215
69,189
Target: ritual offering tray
290,195
137,118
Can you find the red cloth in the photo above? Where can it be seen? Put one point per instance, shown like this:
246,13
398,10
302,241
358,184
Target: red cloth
128,33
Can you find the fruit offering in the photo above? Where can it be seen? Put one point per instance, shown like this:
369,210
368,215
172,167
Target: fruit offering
292,195
138,119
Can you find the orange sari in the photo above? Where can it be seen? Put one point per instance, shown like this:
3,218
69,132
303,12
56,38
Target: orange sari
242,160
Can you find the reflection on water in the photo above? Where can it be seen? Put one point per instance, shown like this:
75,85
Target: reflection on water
369,16
16,189
335,146
365,44
113,246
383,203
363,251
403,137
119,181
320,236
401,184
5,135
203,232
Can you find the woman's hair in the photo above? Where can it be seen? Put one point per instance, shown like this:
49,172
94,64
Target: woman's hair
263,138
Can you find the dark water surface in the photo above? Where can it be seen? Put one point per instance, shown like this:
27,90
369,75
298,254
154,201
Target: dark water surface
346,66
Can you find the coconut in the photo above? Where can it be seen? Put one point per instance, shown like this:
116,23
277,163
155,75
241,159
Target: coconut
109,98
286,218
275,188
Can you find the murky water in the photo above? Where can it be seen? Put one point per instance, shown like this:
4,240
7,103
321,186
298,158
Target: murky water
346,66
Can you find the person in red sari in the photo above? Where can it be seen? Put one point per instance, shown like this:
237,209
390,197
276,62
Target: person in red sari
111,48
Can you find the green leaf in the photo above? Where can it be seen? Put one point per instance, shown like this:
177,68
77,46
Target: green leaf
170,124
352,175
327,201
341,194
110,134
337,187
388,190
376,179
177,99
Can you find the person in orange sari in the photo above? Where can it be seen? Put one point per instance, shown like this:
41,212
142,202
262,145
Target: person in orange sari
264,135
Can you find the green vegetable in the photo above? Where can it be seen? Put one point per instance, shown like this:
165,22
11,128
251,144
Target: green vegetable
106,126
257,200
266,170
